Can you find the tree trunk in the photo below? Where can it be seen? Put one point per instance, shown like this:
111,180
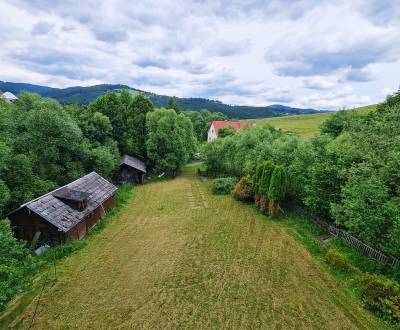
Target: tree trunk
264,203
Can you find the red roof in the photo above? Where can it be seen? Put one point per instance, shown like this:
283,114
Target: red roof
223,123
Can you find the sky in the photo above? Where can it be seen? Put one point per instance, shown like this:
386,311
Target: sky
305,53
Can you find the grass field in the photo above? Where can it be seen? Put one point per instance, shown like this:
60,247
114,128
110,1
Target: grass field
305,125
178,257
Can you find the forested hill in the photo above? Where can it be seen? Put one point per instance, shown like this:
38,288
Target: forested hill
85,95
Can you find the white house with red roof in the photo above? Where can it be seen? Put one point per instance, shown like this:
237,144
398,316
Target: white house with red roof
217,124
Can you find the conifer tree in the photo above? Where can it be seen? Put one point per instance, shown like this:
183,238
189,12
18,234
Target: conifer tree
268,168
277,188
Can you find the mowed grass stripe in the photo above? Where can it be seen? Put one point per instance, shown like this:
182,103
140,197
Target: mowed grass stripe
163,265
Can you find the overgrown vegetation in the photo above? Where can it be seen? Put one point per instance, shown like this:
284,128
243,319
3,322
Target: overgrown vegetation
338,260
243,190
381,295
223,186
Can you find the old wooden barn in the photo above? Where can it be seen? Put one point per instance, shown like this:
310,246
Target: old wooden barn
67,213
131,169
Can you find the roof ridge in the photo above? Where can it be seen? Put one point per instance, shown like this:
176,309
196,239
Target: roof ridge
50,192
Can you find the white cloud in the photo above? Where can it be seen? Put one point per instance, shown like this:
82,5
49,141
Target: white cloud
253,53
387,91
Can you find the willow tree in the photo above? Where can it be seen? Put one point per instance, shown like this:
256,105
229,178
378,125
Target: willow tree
277,189
268,168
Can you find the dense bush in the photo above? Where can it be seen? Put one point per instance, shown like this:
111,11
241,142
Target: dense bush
337,261
381,295
243,189
223,186
226,131
16,264
277,188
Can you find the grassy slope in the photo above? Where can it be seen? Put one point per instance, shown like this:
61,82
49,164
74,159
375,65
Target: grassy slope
175,261
305,125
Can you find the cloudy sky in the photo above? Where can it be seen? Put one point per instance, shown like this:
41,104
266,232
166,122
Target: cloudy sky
308,53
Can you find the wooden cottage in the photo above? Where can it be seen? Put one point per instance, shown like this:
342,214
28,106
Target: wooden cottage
67,213
131,169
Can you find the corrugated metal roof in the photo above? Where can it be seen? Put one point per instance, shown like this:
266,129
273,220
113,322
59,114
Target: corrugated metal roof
63,216
133,162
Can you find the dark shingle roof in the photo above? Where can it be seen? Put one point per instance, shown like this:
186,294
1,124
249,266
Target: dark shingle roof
133,162
64,217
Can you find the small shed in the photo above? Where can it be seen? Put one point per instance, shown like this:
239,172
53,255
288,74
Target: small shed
67,213
131,169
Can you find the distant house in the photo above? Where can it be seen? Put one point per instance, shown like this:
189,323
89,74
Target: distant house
216,125
131,169
67,213
9,97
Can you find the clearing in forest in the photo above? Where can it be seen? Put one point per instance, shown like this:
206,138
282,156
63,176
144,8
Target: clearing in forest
178,257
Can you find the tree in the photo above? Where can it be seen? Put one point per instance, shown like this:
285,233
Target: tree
277,188
173,104
104,160
213,156
111,106
15,265
339,121
167,149
189,137
96,127
226,131
135,132
256,183
201,121
267,171
53,142
4,196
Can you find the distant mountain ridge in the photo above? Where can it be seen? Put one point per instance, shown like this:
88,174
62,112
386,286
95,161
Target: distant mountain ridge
85,95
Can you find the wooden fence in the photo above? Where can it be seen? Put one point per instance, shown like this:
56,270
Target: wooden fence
350,240
362,247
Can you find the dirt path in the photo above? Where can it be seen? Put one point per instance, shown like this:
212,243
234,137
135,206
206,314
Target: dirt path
178,257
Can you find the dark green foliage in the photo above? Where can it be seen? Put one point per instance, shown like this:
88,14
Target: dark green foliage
16,265
277,188
226,131
173,104
257,178
223,186
265,181
338,261
104,160
338,122
135,133
171,142
381,295
278,184
127,114
243,190
96,127
4,196
42,147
